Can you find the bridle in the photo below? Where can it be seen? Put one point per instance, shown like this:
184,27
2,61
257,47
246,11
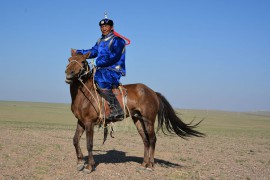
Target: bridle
85,73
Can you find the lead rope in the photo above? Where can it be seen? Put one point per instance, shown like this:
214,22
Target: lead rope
124,105
89,92
95,89
101,118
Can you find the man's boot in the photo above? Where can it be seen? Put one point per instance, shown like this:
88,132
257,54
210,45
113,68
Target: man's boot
116,112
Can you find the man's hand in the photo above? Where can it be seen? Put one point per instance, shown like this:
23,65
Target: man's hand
93,62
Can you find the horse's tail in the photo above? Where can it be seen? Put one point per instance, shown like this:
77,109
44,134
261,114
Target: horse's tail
168,118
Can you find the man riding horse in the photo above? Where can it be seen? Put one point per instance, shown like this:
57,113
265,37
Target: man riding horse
109,52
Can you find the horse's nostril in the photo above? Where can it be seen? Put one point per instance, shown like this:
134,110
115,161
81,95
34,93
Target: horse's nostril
72,72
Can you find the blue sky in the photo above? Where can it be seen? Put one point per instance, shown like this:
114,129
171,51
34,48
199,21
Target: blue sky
199,54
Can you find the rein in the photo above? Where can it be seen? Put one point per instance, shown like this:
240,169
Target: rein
96,99
80,79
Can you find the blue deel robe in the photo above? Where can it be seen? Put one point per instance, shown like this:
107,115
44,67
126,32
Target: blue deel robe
109,52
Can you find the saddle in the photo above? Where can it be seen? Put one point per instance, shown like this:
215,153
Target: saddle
121,94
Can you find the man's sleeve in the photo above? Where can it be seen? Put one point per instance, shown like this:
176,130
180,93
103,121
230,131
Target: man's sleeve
93,51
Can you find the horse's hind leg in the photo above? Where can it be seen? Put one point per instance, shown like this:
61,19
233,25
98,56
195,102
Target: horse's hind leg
76,142
142,133
146,130
152,141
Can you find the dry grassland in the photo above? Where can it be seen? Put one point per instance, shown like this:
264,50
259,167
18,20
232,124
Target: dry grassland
36,143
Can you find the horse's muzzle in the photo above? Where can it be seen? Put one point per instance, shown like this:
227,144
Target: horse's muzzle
69,79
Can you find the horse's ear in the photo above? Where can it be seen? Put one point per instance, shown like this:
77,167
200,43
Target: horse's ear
73,52
86,55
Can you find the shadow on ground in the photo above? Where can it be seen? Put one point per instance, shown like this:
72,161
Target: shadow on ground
114,156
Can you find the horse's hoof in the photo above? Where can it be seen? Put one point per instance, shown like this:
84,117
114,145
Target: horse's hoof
141,168
150,169
80,167
86,171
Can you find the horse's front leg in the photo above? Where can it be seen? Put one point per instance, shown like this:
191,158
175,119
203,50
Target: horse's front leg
89,127
76,142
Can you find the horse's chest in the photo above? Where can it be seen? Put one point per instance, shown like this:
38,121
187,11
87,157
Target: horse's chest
77,107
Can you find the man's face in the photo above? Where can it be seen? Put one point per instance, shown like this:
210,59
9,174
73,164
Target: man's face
106,29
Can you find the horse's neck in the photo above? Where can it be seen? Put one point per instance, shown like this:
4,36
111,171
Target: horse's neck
81,91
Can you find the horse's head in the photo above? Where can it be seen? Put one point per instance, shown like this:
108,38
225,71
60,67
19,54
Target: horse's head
77,67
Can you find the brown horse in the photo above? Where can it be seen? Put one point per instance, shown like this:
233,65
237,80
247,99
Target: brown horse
143,103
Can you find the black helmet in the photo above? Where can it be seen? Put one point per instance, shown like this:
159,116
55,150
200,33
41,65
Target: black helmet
106,21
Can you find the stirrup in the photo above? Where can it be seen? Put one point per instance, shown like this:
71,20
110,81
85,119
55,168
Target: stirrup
117,117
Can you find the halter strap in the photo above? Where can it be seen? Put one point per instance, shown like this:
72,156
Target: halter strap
74,61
